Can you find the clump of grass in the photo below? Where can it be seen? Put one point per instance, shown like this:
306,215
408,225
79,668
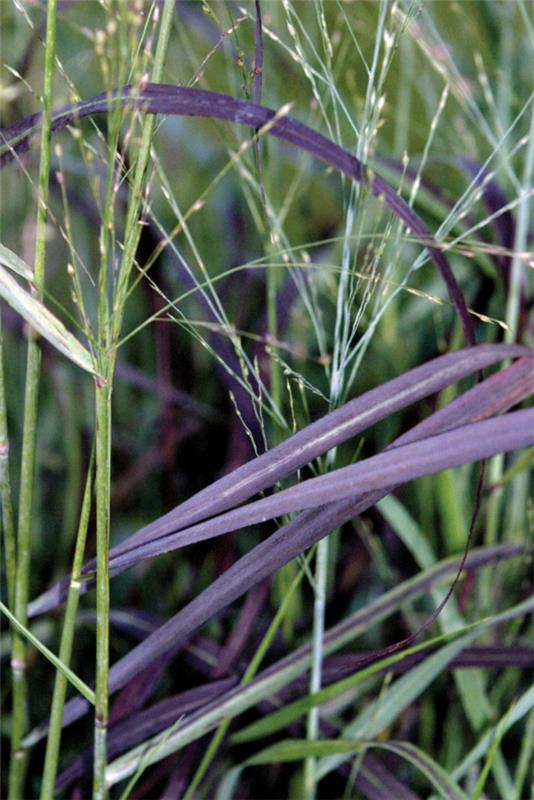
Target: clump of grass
392,268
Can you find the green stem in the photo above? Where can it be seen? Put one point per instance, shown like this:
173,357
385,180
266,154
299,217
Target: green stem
19,662
312,728
77,682
109,334
65,649
33,367
103,467
8,519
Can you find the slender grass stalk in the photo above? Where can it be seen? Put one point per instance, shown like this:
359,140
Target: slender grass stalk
103,464
65,649
80,685
17,768
344,326
319,608
8,518
109,334
103,389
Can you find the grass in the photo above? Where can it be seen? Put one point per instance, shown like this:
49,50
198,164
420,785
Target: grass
295,302
20,580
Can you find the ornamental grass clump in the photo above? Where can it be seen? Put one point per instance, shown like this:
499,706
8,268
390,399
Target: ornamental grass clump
266,378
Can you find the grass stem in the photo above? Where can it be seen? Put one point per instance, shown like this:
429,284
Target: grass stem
8,519
319,607
27,472
109,334
65,649
103,466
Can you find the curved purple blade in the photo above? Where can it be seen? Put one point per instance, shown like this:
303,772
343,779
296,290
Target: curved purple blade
155,98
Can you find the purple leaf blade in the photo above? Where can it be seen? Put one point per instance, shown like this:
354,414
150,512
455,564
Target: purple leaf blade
299,534
143,724
346,630
382,472
184,101
327,432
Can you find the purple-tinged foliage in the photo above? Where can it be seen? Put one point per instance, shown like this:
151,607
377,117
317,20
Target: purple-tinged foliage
399,465
335,667
136,727
469,428
277,674
495,394
184,101
375,782
407,456
489,657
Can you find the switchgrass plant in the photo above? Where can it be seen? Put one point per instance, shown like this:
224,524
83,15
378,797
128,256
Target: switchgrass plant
286,320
